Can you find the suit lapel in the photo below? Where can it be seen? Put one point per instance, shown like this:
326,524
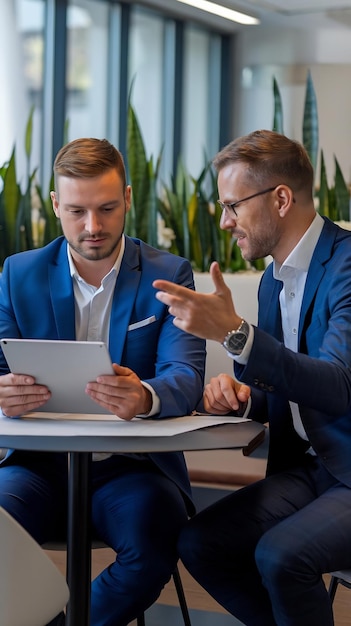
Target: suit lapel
126,289
321,255
61,292
62,297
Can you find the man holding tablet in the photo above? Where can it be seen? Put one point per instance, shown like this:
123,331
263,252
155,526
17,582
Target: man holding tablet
95,284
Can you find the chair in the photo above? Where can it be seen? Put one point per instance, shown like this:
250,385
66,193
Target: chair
32,590
340,577
141,619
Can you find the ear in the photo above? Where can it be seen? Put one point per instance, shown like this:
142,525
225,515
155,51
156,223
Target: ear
55,203
285,197
128,197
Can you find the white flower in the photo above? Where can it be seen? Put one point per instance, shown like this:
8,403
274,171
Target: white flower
165,235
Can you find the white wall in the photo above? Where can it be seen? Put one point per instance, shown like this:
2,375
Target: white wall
288,54
244,286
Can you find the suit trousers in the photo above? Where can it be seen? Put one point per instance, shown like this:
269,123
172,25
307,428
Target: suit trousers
261,551
136,510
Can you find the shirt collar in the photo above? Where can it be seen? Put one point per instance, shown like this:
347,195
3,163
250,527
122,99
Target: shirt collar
300,257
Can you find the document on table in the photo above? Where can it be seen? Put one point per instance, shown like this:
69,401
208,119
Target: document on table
137,427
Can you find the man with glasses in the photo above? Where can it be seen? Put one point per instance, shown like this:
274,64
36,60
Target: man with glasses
262,551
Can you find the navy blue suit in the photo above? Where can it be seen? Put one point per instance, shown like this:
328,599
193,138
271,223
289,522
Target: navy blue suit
139,504
262,551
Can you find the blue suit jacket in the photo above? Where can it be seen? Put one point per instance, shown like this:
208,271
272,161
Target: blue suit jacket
318,376
37,301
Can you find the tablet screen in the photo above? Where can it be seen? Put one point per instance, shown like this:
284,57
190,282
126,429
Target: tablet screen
65,367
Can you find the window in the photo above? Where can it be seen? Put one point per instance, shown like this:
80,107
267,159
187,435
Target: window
21,77
76,60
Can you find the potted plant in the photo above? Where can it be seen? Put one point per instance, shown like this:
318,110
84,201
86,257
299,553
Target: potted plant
26,217
333,202
183,216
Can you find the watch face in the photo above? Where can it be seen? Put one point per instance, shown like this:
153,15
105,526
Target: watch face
236,342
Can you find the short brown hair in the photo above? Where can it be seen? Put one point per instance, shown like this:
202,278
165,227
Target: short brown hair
87,158
271,159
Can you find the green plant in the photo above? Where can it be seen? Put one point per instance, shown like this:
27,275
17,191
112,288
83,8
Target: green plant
333,202
182,216
26,218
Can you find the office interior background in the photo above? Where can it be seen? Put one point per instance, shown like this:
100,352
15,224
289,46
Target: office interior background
195,80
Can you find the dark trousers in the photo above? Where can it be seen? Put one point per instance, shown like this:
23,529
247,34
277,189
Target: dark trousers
135,509
261,551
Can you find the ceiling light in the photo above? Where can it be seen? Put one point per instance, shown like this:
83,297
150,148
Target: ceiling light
217,9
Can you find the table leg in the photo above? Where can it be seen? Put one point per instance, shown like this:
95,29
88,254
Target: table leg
79,539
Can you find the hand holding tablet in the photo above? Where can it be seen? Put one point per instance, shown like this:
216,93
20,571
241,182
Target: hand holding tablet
65,367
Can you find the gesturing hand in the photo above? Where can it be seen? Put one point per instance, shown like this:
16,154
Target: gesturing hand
210,316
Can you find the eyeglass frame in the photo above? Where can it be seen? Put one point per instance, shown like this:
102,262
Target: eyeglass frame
230,206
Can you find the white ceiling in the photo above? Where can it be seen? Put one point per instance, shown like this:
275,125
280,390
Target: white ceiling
285,13
298,13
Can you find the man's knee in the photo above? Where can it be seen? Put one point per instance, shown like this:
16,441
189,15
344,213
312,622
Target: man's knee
276,561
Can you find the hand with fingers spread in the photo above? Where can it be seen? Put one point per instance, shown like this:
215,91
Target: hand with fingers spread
224,394
19,394
210,316
123,394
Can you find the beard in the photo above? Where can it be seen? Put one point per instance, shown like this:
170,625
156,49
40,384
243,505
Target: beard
260,244
96,253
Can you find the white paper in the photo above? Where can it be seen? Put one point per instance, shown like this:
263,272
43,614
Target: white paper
84,424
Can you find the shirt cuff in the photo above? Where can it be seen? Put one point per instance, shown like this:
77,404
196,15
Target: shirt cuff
156,403
247,409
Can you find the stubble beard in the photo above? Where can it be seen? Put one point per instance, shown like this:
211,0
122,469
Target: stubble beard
95,254
261,245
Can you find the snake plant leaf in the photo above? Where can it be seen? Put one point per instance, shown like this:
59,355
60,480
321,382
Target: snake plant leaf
143,176
24,232
48,226
138,165
174,210
182,185
278,125
323,192
151,208
213,187
310,130
171,211
215,239
11,198
342,194
204,230
29,134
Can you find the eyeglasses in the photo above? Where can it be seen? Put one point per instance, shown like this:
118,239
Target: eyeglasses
230,206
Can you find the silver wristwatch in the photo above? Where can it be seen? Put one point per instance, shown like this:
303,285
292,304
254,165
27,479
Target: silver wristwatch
235,340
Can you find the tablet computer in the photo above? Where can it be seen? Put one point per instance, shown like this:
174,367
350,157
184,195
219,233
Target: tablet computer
65,367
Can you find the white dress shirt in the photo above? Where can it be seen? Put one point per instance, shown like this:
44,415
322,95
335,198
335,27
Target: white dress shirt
293,274
93,312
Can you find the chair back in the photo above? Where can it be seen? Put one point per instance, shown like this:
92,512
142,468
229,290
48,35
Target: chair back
32,590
